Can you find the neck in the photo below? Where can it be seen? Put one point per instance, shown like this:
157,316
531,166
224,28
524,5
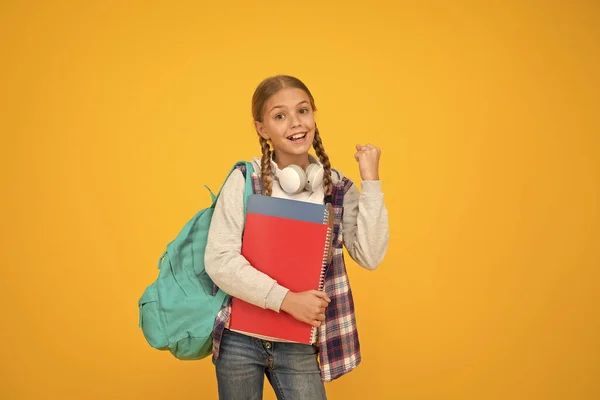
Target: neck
284,160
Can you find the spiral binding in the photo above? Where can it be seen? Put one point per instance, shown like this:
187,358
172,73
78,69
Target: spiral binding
326,256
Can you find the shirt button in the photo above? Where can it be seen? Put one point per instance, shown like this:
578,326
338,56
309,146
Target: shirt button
268,345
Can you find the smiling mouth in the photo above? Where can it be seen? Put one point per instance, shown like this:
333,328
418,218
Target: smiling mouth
297,137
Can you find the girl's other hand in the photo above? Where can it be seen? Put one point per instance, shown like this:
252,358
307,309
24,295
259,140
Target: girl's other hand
308,307
368,161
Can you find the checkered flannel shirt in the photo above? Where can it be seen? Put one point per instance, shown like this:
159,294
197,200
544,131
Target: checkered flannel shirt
339,348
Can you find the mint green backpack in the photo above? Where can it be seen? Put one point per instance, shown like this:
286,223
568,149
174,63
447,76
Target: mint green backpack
178,310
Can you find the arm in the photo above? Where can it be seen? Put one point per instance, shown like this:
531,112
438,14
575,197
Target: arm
365,224
224,262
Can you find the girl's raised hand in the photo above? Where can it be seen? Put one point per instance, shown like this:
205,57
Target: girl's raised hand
368,161
308,307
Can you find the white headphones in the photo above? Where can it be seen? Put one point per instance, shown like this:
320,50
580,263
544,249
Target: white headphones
293,179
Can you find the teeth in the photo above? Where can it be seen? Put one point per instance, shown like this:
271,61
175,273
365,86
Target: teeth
297,136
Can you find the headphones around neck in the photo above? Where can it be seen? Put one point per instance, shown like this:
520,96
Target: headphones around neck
293,179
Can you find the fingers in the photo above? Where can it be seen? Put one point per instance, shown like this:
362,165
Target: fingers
366,147
315,314
322,295
317,321
319,314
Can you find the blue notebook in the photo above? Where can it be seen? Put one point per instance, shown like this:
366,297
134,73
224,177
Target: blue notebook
286,208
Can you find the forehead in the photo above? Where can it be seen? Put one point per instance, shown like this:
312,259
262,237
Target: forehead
287,97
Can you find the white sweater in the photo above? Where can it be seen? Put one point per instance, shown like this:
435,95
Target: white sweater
364,231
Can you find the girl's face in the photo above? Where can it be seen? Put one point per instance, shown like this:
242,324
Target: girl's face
289,121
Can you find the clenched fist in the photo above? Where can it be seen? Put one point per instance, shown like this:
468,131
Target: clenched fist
368,161
308,307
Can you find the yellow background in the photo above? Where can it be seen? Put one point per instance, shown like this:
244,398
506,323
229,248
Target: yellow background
114,114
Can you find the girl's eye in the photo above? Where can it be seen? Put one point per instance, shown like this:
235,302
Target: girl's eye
279,116
303,110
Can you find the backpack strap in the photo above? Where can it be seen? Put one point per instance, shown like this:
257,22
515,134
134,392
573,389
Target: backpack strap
246,169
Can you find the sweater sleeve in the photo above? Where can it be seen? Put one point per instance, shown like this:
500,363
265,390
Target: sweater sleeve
365,224
225,264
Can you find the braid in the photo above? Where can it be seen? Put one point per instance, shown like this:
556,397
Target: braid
318,145
266,173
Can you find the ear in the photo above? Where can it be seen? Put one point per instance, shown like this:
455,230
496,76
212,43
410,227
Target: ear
260,129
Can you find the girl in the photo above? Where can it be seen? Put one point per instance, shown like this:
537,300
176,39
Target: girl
283,111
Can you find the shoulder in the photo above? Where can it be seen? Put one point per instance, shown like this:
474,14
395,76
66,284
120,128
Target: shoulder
256,164
345,192
338,177
236,181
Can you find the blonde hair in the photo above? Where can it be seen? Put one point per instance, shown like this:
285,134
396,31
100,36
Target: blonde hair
262,94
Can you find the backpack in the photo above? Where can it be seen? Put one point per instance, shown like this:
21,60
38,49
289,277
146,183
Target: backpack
177,311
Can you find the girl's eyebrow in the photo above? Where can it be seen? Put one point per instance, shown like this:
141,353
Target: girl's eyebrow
303,101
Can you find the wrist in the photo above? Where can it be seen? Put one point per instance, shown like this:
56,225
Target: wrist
370,177
287,300
371,187
275,297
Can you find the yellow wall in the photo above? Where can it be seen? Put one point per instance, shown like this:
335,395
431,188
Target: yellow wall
113,117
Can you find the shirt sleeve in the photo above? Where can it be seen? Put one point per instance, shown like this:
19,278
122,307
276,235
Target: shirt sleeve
365,224
225,264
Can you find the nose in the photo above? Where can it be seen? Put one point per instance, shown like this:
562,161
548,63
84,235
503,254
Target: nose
295,120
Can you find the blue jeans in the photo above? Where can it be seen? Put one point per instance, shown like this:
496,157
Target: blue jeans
291,368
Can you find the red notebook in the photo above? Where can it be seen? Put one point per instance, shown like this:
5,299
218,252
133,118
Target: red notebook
289,241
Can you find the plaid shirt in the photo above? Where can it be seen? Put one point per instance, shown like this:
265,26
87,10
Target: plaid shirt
339,348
